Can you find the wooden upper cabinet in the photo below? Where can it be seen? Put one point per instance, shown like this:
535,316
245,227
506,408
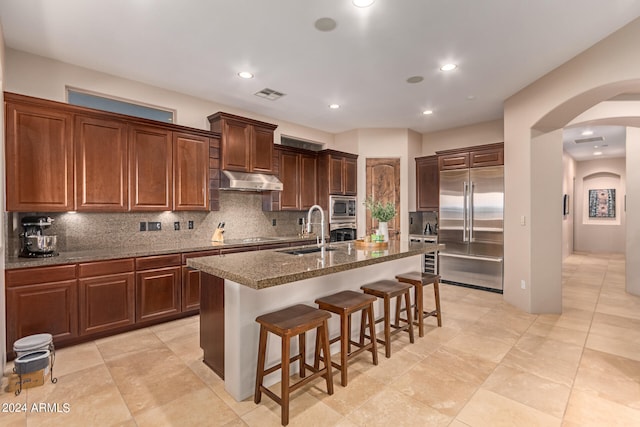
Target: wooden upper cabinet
246,144
308,181
472,157
290,177
350,176
39,158
190,172
336,175
427,183
151,167
101,180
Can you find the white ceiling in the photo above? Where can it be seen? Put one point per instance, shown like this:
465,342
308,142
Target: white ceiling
197,47
613,143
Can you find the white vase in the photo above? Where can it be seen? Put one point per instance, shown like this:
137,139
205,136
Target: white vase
383,228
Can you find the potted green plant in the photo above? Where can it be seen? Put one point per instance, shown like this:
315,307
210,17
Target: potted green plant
383,213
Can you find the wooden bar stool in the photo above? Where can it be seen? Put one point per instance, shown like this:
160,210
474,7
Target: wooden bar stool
388,289
344,304
419,281
287,323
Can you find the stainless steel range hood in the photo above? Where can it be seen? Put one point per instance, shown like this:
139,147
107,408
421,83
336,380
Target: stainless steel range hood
230,180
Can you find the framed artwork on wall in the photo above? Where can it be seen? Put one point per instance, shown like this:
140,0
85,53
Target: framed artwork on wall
602,203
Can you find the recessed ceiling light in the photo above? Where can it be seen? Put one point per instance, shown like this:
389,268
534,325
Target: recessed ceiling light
325,24
587,133
415,79
597,153
245,75
471,97
595,146
427,112
448,67
334,106
362,3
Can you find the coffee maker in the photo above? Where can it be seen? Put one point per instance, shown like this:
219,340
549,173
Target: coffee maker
34,243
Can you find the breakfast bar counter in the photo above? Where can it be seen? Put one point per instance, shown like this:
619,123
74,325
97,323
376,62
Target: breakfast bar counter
237,288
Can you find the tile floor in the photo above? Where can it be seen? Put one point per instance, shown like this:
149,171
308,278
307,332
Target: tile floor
489,365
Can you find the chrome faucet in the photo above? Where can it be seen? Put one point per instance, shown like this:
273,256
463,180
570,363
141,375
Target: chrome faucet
321,224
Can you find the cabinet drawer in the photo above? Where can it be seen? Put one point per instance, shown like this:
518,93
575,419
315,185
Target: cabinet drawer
103,268
30,276
159,261
236,250
188,255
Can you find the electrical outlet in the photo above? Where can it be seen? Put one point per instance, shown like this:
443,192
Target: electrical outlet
143,226
273,222
410,220
190,225
154,226
523,284
300,221
176,225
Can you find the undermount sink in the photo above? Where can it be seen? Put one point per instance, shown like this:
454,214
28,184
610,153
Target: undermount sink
259,239
302,251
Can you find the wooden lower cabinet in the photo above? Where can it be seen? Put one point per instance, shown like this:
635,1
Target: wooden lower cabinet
190,289
158,293
212,323
42,300
107,295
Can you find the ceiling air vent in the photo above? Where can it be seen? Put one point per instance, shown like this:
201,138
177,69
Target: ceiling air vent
270,94
590,140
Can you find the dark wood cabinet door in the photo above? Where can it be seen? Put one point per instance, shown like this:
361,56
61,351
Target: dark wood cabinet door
453,161
236,146
262,150
190,289
42,308
336,179
212,323
190,172
100,165
487,157
39,159
158,293
427,183
308,181
151,163
290,176
350,172
106,302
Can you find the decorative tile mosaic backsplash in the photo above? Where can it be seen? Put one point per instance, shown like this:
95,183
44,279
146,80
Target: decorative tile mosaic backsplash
241,212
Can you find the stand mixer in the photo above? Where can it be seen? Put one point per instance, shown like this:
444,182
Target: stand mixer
33,242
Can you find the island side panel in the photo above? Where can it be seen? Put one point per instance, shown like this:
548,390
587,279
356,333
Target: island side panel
212,322
244,304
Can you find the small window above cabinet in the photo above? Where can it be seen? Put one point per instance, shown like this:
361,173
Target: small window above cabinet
427,183
246,144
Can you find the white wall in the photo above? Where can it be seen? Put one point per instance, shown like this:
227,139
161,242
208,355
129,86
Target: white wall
569,168
45,78
465,136
633,207
600,235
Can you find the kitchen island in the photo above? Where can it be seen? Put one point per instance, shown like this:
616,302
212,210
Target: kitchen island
239,287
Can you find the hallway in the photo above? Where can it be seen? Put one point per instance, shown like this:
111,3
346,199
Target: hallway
489,365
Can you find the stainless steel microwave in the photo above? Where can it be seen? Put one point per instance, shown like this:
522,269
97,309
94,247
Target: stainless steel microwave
342,208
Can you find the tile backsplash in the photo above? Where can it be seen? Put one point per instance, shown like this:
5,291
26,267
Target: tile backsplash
241,212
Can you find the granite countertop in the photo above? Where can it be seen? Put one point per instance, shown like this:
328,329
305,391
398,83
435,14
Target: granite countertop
73,257
264,269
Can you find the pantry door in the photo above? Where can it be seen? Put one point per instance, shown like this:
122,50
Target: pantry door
383,184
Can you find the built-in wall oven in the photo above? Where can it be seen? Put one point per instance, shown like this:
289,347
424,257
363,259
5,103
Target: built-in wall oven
430,259
342,231
342,209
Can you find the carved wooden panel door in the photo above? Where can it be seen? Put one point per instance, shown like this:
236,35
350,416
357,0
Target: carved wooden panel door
383,184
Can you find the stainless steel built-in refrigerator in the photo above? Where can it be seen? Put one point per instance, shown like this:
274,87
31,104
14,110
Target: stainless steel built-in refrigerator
471,226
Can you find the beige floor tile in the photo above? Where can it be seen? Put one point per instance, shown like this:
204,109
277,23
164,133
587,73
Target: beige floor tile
558,333
134,341
387,369
76,358
614,345
611,377
490,409
182,328
571,318
187,347
304,410
488,348
529,389
393,408
587,409
199,408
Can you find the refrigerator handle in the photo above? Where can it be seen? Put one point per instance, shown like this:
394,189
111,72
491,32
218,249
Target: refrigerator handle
471,209
465,209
